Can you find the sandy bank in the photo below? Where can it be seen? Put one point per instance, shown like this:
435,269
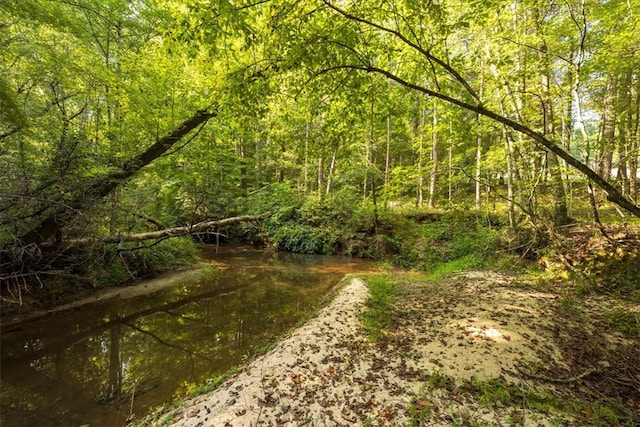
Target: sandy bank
477,326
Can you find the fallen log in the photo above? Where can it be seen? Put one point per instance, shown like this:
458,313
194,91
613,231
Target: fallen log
158,235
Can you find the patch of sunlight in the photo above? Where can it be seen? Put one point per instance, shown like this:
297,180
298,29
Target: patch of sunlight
482,332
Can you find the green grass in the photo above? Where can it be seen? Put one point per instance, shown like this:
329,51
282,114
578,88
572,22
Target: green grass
378,316
498,393
628,323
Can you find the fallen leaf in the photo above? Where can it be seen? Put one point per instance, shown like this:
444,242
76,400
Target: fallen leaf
386,413
517,417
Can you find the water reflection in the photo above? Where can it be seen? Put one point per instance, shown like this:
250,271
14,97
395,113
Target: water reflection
99,364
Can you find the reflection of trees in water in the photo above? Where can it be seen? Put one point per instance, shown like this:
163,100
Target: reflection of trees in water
90,366
115,367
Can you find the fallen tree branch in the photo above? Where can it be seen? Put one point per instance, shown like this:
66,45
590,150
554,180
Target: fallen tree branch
160,234
582,376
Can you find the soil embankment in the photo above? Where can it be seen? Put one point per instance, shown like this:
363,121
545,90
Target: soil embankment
144,287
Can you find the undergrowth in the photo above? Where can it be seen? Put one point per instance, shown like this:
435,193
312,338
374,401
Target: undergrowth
378,316
587,261
525,399
78,271
344,224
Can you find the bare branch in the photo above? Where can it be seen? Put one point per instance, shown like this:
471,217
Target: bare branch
161,234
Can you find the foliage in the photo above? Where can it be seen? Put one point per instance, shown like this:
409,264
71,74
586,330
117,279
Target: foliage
590,261
82,271
191,390
624,321
498,393
308,225
325,117
166,255
456,239
377,318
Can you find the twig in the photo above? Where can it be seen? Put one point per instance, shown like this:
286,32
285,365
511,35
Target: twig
583,375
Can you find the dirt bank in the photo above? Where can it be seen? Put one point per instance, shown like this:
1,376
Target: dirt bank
459,353
144,287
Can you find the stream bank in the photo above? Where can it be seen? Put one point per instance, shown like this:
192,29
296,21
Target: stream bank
100,362
478,348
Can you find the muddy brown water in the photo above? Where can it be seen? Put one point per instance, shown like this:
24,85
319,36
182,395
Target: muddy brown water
99,364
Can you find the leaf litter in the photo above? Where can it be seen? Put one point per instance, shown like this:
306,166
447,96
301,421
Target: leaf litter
456,353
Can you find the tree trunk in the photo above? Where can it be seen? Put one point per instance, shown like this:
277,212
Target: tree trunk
560,211
332,168
420,135
623,145
634,146
508,145
320,176
478,167
450,166
479,155
607,134
306,156
434,156
97,190
241,152
258,178
387,154
160,234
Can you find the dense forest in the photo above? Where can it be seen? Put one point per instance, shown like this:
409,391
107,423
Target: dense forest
305,126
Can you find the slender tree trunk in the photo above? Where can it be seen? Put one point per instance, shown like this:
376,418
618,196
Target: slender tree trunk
332,168
567,130
306,156
420,132
607,135
388,153
241,152
508,145
280,162
258,167
370,150
478,167
560,210
479,154
623,145
371,160
450,165
434,156
320,177
634,146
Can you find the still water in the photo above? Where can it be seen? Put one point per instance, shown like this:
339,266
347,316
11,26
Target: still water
101,363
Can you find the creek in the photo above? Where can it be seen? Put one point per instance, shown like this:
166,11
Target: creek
103,362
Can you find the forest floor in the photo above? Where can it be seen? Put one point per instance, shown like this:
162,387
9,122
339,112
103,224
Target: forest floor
475,349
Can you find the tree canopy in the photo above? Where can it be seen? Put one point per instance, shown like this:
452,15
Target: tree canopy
117,115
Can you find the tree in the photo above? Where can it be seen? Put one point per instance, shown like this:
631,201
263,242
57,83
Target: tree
467,98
